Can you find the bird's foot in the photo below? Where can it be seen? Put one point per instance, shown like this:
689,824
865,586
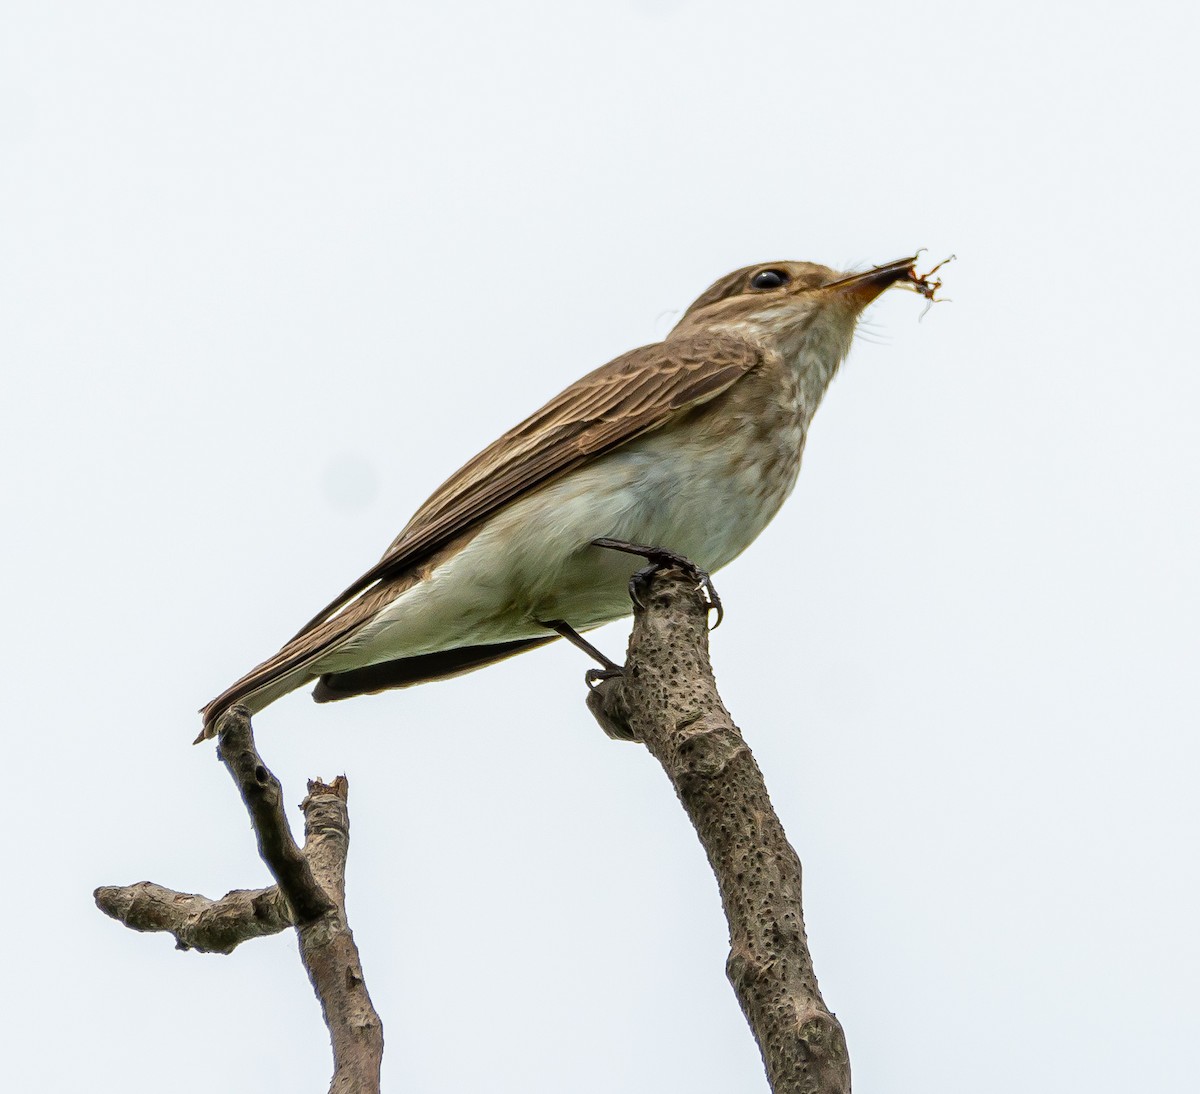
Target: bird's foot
662,558
593,677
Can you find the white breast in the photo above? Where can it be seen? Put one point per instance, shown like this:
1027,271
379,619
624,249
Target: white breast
534,560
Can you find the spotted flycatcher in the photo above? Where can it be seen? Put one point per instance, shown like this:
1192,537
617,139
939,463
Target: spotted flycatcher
691,444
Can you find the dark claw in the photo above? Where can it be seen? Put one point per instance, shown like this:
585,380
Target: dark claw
637,583
660,558
714,601
595,676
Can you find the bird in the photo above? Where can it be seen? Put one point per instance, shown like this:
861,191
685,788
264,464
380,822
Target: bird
688,447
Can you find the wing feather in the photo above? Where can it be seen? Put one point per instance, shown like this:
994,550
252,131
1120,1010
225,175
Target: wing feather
631,395
634,394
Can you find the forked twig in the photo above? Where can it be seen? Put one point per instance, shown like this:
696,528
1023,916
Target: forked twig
309,894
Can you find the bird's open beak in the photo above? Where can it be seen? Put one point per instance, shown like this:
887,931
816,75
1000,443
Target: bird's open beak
862,288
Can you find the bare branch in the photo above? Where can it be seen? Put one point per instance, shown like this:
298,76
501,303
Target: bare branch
328,950
309,894
198,923
667,698
263,796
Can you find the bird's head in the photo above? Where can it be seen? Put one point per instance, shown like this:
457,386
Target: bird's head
805,311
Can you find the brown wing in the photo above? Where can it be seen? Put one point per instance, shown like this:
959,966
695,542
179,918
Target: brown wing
631,395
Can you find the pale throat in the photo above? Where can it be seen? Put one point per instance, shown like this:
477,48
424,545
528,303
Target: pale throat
813,344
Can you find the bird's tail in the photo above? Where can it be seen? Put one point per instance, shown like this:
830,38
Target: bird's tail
292,667
254,693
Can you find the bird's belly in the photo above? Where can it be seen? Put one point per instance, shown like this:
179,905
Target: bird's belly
703,496
698,500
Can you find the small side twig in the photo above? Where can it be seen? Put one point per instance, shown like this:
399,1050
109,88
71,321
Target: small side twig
309,894
667,698
197,922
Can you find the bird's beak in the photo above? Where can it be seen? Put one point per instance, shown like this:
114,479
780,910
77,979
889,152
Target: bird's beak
861,288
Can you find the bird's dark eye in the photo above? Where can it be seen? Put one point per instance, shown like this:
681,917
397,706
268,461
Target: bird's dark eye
769,279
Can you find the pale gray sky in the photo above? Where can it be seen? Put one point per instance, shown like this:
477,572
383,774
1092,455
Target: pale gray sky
271,271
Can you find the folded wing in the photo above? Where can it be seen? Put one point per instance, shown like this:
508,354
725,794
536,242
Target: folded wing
636,393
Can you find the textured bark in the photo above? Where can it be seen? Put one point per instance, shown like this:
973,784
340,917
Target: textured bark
197,922
667,699
328,949
309,893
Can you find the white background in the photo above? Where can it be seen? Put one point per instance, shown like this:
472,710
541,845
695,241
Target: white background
271,271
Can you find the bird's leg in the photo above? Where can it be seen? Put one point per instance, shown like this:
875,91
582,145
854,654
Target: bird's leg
592,676
660,558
